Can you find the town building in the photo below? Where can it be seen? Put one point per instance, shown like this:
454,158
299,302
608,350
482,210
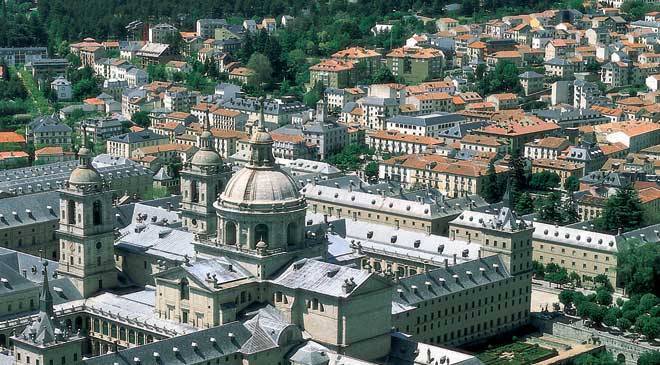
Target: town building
549,148
415,64
452,177
429,125
124,145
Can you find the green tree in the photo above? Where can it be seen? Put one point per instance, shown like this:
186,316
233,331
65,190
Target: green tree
549,208
314,95
622,210
503,78
603,297
636,9
572,184
649,358
525,204
638,267
141,119
600,358
382,75
491,191
566,297
371,170
544,180
539,269
263,71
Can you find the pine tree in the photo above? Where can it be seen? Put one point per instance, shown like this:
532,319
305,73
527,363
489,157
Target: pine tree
622,210
525,204
490,190
549,208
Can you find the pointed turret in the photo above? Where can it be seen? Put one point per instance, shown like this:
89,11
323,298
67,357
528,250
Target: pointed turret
45,298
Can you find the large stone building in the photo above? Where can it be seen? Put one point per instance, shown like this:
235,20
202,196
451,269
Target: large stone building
254,284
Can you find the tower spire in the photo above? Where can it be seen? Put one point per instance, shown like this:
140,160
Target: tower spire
506,198
261,124
45,298
84,153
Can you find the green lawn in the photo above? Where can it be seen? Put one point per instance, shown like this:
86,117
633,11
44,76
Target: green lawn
39,103
517,353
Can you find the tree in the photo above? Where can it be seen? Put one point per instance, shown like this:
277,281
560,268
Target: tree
566,298
549,208
491,191
539,269
314,95
649,358
622,210
623,324
604,282
635,9
572,184
603,297
525,204
263,71
503,78
638,266
350,157
544,180
141,119
371,170
611,316
382,75
651,328
600,358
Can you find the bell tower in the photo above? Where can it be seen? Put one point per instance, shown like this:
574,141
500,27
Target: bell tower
203,178
86,229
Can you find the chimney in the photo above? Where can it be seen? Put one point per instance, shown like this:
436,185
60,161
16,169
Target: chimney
454,259
414,289
446,263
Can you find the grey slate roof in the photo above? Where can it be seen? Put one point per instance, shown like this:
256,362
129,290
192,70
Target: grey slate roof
29,180
459,131
558,62
271,107
29,209
442,281
157,241
213,343
136,137
530,75
645,234
411,245
320,277
606,178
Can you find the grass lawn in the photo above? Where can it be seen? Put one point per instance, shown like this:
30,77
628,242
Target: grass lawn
517,353
39,105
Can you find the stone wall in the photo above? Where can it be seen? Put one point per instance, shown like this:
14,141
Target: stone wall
620,347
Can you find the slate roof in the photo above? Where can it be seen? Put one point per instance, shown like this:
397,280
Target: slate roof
137,137
436,283
28,180
393,204
411,245
320,277
29,209
459,131
156,241
213,343
271,107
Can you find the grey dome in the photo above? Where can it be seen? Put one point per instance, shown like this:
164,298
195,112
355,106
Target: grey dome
261,187
205,157
84,176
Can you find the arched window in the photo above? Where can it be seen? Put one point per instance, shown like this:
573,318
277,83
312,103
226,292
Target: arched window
194,191
131,336
184,289
230,233
261,233
96,213
292,234
71,212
